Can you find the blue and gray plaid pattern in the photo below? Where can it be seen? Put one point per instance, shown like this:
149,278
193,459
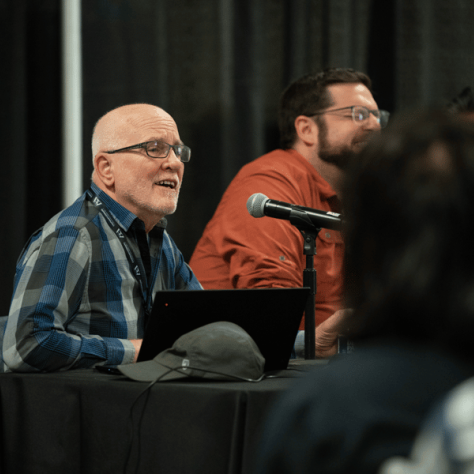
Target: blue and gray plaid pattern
76,302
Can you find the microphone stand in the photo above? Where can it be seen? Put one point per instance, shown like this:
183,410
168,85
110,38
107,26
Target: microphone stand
309,231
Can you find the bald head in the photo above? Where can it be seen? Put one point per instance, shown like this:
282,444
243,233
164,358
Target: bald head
115,129
145,185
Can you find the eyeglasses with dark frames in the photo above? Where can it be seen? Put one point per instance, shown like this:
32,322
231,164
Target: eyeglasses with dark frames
360,114
159,149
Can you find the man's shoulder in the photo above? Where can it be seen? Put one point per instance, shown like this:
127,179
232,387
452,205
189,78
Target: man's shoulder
283,168
77,216
285,156
62,230
280,162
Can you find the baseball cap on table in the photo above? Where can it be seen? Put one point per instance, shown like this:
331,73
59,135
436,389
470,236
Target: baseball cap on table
221,347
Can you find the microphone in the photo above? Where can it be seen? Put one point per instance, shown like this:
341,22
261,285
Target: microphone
259,205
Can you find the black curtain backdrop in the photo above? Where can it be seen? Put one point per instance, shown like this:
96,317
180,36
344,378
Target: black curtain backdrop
218,67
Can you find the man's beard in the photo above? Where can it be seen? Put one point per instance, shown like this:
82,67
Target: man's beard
341,156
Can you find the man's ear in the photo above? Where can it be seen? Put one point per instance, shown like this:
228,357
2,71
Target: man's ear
306,130
104,169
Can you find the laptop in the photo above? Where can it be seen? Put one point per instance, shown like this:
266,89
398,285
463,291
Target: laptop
271,316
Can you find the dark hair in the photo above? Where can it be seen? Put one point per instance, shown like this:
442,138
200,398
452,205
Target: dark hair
309,94
409,207
463,102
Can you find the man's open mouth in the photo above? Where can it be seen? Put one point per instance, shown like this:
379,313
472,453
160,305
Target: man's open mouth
167,184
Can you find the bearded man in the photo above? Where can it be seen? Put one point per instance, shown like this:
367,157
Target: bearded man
324,119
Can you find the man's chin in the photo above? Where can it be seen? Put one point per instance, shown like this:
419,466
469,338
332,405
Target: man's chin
359,146
162,209
341,159
166,203
166,210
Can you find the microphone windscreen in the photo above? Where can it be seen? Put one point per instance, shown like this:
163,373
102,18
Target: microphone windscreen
256,204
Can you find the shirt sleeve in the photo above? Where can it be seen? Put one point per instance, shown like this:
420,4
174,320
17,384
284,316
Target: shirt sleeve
183,277
50,281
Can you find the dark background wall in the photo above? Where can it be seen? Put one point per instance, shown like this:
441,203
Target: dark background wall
218,67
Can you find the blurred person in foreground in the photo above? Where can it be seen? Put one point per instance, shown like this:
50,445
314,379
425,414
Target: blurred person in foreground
463,104
85,282
409,206
323,119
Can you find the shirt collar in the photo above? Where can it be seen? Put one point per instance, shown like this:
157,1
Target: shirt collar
324,188
123,216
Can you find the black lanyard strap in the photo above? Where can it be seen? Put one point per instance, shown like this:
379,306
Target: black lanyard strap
132,260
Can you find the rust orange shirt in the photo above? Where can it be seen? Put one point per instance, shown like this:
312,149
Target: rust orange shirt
237,250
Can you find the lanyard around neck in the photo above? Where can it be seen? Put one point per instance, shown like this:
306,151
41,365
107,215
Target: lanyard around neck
132,260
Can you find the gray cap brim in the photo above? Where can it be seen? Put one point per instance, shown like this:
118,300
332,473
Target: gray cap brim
149,371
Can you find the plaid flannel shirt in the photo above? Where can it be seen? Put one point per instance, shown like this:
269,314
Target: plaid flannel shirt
76,302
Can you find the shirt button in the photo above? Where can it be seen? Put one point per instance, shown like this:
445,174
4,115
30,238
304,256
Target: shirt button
328,235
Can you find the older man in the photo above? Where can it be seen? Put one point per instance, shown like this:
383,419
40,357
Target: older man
85,282
324,118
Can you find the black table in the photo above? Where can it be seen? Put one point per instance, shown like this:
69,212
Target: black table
80,422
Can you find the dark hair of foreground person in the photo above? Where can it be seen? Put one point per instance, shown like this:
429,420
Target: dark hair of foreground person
409,202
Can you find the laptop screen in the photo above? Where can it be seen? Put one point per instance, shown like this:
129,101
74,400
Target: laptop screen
271,316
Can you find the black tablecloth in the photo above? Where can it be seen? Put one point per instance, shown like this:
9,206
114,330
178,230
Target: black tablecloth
80,422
